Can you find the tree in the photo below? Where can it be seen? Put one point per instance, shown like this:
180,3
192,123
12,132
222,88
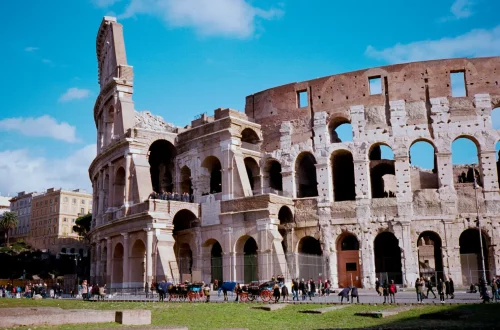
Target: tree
8,222
82,226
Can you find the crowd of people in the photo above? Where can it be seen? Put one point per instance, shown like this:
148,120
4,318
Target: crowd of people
29,290
310,288
172,196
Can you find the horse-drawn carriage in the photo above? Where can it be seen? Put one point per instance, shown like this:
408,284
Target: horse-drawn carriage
181,292
255,290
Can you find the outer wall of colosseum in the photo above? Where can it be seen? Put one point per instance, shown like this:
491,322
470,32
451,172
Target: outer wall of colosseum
275,191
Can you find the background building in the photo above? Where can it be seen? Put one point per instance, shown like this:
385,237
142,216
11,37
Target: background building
21,204
53,215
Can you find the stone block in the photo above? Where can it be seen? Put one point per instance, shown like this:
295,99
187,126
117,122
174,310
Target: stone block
384,313
322,310
270,308
133,317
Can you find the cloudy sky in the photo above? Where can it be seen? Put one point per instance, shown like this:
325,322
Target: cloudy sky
193,56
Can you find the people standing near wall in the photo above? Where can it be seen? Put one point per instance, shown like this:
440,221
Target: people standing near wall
312,289
393,289
452,288
440,289
327,287
284,292
494,290
85,290
378,287
419,287
354,294
428,284
303,288
344,294
385,291
295,289
276,293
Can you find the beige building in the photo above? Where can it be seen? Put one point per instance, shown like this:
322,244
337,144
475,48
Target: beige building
53,215
276,191
21,204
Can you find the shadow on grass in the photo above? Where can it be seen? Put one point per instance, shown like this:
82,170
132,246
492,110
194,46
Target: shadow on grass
477,316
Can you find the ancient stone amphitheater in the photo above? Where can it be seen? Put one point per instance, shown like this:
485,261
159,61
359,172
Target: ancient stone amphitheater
276,191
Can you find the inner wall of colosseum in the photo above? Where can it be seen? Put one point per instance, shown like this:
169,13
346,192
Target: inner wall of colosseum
315,180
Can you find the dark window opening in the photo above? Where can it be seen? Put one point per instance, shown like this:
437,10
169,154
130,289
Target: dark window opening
388,258
430,259
302,99
285,215
186,184
310,245
253,172
344,186
382,172
275,178
249,136
458,86
213,166
351,267
161,161
349,243
183,219
307,183
375,84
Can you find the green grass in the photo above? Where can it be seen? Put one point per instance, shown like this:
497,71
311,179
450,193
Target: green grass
231,315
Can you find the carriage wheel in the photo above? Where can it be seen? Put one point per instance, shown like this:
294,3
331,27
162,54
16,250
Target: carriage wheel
251,297
192,296
244,297
265,295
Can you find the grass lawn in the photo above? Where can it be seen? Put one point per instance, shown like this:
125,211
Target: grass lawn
231,315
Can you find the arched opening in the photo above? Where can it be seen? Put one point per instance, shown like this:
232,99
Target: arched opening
470,256
186,184
285,216
110,125
117,273
495,116
306,182
423,166
464,157
275,178
137,263
184,219
119,188
184,257
388,264
344,186
250,261
249,136
161,161
382,172
214,168
253,173
216,264
310,258
348,261
430,259
340,130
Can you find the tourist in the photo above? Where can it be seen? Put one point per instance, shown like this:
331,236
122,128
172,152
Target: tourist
303,288
161,291
393,289
440,289
206,291
428,285
284,292
152,195
378,286
84,290
312,289
237,290
472,288
419,287
102,292
354,294
276,293
295,289
321,288
344,294
327,287
494,290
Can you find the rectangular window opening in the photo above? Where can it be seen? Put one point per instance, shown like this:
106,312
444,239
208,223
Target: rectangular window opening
350,267
375,85
302,99
458,88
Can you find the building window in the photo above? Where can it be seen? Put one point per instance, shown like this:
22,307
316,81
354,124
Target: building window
302,100
36,204
74,200
375,84
51,201
65,220
82,210
83,201
65,199
73,221
458,86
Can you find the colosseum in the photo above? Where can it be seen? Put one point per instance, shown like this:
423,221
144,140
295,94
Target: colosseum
274,190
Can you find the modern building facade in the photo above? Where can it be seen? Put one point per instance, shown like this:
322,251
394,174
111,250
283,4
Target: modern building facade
53,215
276,191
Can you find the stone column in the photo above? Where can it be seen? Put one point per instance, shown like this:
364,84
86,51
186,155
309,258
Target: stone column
111,190
127,179
409,257
362,178
101,198
404,194
488,169
109,260
92,263
149,255
451,252
325,180
289,189
367,260
228,266
445,170
126,269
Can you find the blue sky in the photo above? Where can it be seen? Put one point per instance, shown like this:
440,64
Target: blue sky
193,56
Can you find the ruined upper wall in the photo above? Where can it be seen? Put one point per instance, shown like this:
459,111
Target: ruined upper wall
415,83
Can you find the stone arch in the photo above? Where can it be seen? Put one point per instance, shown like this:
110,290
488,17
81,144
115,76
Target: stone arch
110,124
430,259
338,128
285,217
388,261
382,172
470,255
305,175
161,157
253,173
119,187
465,170
184,219
247,257
424,173
117,267
344,185
214,183
349,270
213,250
310,259
137,263
272,170
249,136
184,257
186,183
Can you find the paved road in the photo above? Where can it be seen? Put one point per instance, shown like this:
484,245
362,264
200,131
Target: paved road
366,296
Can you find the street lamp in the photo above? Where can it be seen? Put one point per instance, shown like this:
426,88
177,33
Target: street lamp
479,223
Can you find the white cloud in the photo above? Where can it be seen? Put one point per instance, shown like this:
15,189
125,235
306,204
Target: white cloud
236,18
74,94
475,43
104,3
44,126
459,9
22,171
30,49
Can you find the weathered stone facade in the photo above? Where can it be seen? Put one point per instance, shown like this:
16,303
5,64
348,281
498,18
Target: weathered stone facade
275,184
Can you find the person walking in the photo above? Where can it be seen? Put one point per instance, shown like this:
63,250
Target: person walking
378,287
452,288
102,292
354,294
276,293
440,289
447,288
85,290
494,290
237,290
385,291
312,289
393,289
206,292
295,289
428,284
419,285
302,288
284,292
344,294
